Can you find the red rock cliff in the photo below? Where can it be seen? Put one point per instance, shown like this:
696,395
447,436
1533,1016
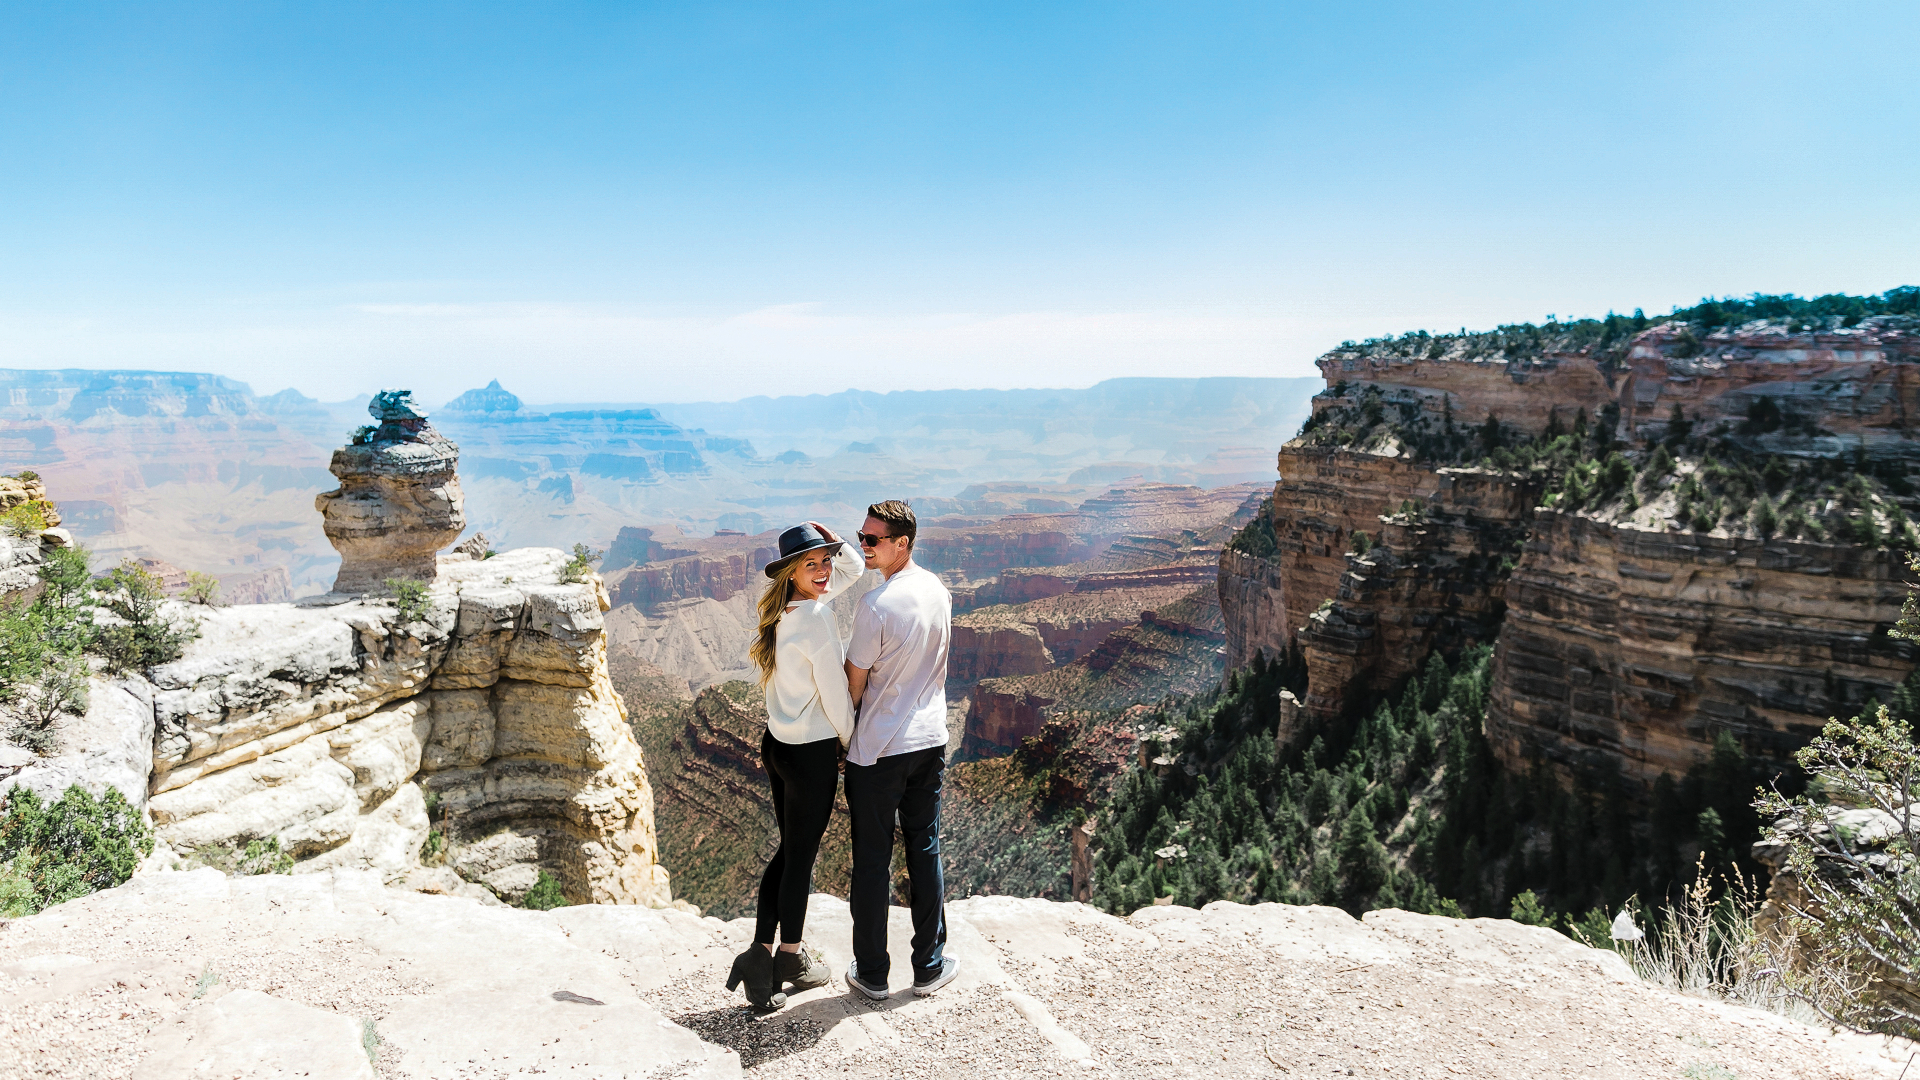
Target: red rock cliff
1627,632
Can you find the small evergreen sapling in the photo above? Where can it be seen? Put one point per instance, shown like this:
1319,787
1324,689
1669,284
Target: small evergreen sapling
202,589
578,567
545,894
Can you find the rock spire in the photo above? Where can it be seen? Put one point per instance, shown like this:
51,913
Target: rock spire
399,500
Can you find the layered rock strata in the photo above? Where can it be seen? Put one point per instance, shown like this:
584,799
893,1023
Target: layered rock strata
1435,578
1027,639
1641,646
1622,641
399,501
1174,650
1847,387
1527,392
349,732
1322,498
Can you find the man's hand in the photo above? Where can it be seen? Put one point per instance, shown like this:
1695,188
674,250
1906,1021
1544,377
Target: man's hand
856,682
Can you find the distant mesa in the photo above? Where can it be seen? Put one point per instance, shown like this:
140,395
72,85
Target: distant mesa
566,487
1111,472
488,400
793,457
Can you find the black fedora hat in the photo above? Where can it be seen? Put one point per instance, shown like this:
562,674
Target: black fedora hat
796,542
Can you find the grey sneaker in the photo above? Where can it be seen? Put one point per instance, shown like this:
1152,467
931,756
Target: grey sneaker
877,992
949,967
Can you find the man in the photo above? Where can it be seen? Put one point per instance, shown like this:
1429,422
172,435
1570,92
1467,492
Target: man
897,672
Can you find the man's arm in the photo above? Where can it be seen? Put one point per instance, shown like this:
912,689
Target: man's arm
856,682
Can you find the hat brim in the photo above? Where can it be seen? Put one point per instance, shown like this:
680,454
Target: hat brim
774,567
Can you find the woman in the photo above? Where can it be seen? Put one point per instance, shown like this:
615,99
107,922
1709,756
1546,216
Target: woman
809,720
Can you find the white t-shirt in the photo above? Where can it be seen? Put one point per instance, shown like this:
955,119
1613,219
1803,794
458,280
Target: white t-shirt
807,698
900,635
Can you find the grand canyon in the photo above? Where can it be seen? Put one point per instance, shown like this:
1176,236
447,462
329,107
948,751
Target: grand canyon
1566,577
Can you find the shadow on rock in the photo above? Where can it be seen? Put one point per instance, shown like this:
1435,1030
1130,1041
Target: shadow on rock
762,1038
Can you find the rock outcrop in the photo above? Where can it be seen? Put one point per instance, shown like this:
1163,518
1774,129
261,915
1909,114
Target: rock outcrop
1175,650
348,732
23,548
1030,638
328,969
1792,391
399,501
110,745
1626,636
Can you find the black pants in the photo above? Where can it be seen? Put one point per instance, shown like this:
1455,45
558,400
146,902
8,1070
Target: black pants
906,786
803,777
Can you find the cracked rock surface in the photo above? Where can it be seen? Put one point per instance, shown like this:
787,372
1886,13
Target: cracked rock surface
131,982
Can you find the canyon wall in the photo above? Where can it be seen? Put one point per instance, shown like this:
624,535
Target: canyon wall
1846,386
1435,578
1641,646
1626,634
1526,392
1026,639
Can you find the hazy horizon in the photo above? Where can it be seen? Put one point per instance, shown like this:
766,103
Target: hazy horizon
641,203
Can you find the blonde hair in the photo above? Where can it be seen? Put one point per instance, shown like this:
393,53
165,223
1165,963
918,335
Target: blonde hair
773,604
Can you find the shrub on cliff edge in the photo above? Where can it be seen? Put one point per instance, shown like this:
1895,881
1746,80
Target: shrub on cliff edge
1855,853
26,519
43,673
1256,537
78,845
577,568
409,598
545,894
144,635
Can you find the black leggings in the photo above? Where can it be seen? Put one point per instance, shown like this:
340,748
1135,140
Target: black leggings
803,777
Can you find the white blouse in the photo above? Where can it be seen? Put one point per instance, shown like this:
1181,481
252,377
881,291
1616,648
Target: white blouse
807,698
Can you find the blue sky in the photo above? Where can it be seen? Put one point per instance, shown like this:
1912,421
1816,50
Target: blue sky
697,201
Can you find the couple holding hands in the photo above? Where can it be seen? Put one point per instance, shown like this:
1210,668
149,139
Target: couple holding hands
880,700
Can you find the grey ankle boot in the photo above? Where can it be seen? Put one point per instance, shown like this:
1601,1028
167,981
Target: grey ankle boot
802,968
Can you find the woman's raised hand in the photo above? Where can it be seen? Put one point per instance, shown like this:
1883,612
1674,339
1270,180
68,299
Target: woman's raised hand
824,531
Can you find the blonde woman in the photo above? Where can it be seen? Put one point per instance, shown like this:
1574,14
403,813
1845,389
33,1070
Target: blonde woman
801,660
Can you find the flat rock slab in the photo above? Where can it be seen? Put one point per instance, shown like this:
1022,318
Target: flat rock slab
174,972
528,1031
248,1034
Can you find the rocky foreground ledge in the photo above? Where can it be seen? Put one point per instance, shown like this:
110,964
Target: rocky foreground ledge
195,974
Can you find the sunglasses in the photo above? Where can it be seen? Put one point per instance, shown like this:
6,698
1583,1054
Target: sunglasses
870,540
